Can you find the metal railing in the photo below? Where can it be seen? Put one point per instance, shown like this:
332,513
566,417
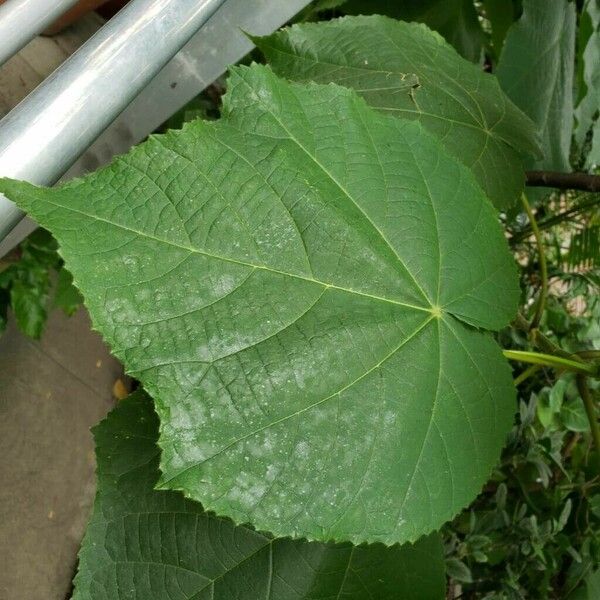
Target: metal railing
22,20
132,55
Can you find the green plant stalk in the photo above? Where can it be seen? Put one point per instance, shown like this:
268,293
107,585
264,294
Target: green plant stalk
539,340
541,302
549,360
526,374
590,409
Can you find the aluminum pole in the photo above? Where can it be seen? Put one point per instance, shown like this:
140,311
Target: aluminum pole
42,137
22,20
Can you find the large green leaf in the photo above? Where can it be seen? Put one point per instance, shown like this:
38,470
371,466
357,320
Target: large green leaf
455,20
156,545
292,284
536,71
587,113
383,60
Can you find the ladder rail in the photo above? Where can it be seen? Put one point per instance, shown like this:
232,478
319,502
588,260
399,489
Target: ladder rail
219,42
22,20
43,135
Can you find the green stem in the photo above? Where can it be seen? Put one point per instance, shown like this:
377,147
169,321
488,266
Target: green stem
526,374
541,302
548,360
590,410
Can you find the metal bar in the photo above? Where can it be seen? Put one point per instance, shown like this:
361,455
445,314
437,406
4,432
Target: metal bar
42,137
218,44
22,20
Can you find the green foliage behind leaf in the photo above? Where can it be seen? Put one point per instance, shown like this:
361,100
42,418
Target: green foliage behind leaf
532,533
384,60
590,590
584,248
66,295
28,286
587,112
455,20
149,544
536,71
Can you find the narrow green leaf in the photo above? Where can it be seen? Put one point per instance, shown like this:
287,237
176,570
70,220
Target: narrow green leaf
455,20
594,504
149,544
501,14
383,60
296,286
563,518
536,71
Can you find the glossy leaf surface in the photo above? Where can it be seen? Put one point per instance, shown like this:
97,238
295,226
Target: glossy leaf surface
406,70
153,545
296,285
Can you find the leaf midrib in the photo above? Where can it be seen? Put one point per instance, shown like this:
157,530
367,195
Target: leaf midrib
193,250
342,188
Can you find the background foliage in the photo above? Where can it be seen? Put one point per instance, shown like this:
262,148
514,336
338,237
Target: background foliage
32,282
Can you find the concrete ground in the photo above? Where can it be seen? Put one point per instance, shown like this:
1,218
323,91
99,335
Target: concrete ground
51,393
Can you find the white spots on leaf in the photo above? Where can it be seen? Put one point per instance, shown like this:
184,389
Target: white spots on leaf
302,450
131,261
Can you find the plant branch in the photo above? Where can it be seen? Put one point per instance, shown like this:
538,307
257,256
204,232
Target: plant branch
541,302
526,374
563,181
550,360
590,410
